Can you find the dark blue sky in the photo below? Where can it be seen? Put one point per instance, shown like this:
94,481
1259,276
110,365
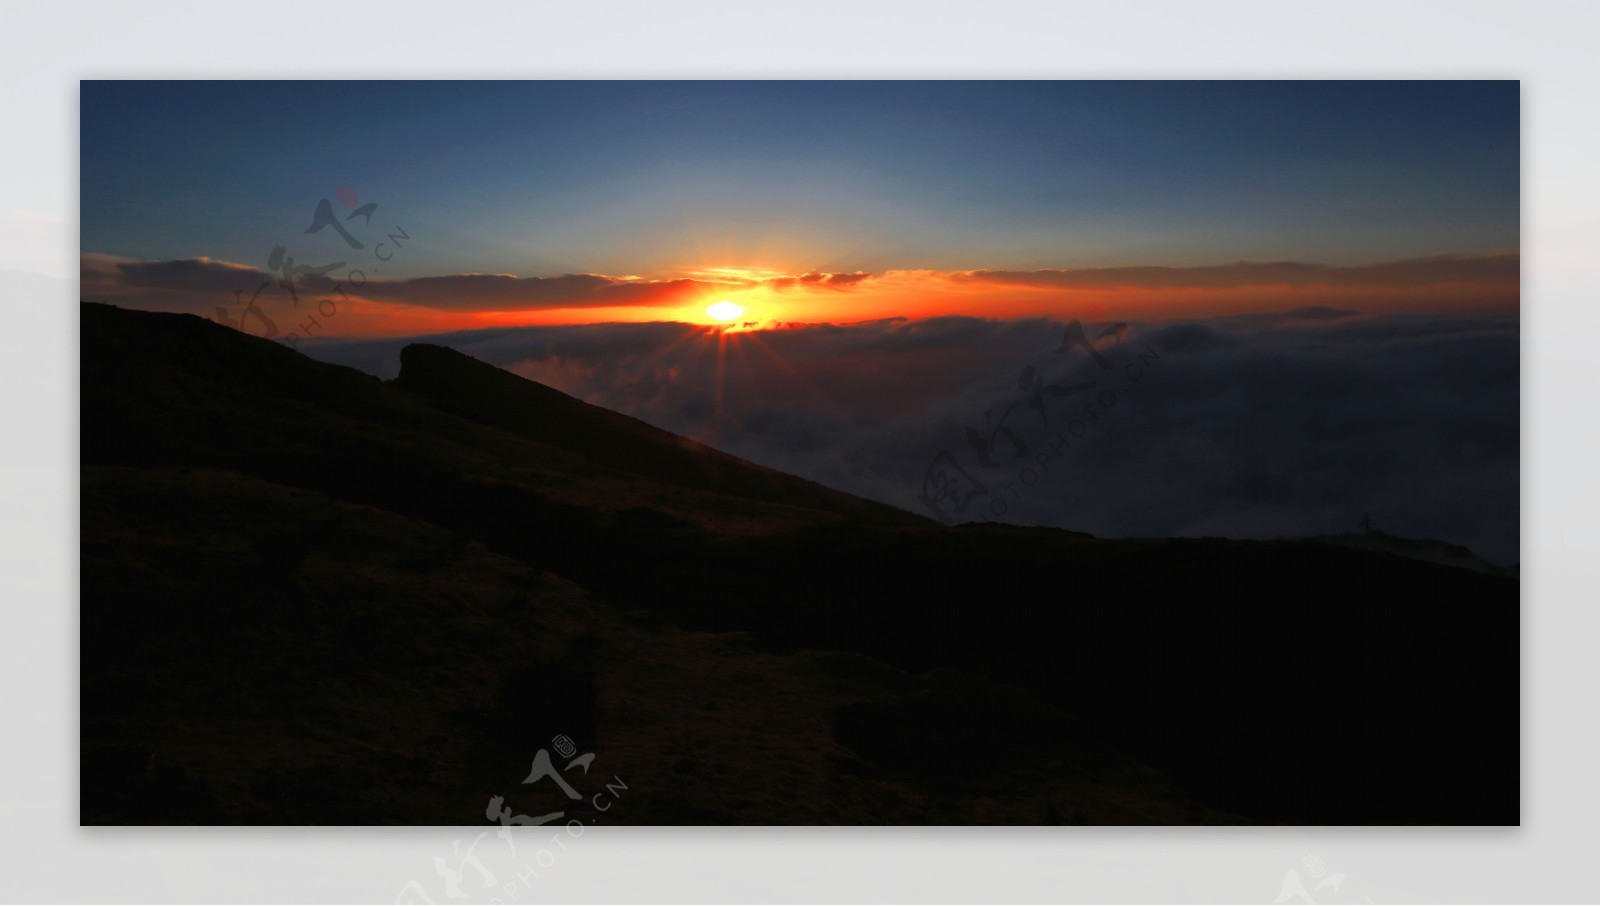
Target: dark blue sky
655,178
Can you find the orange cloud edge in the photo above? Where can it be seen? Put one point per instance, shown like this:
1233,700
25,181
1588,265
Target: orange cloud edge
351,304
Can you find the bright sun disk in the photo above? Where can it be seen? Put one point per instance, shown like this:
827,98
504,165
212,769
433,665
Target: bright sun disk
725,310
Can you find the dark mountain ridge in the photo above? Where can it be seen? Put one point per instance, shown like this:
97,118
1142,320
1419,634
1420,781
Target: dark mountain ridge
250,513
457,383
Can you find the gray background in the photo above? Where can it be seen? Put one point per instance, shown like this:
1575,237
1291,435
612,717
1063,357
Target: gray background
47,858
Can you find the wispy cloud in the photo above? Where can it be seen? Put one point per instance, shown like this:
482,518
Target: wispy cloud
1501,271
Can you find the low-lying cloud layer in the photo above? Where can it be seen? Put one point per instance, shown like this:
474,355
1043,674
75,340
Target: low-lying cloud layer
1257,426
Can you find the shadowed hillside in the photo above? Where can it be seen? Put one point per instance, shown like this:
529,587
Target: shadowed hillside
312,597
463,385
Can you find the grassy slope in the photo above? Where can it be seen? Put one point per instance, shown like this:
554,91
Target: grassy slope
316,597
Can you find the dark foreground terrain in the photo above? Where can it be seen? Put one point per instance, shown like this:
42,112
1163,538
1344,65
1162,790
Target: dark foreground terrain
312,597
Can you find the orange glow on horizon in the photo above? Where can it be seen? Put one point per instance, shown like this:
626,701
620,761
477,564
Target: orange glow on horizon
921,295
729,299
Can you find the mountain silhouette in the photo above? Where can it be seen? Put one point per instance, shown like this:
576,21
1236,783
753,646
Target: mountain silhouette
460,384
313,597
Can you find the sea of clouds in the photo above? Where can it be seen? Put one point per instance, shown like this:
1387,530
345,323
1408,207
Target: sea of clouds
1254,426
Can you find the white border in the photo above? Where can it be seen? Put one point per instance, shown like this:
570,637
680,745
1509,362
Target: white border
1550,47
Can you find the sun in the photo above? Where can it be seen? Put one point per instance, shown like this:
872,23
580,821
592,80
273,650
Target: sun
725,311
